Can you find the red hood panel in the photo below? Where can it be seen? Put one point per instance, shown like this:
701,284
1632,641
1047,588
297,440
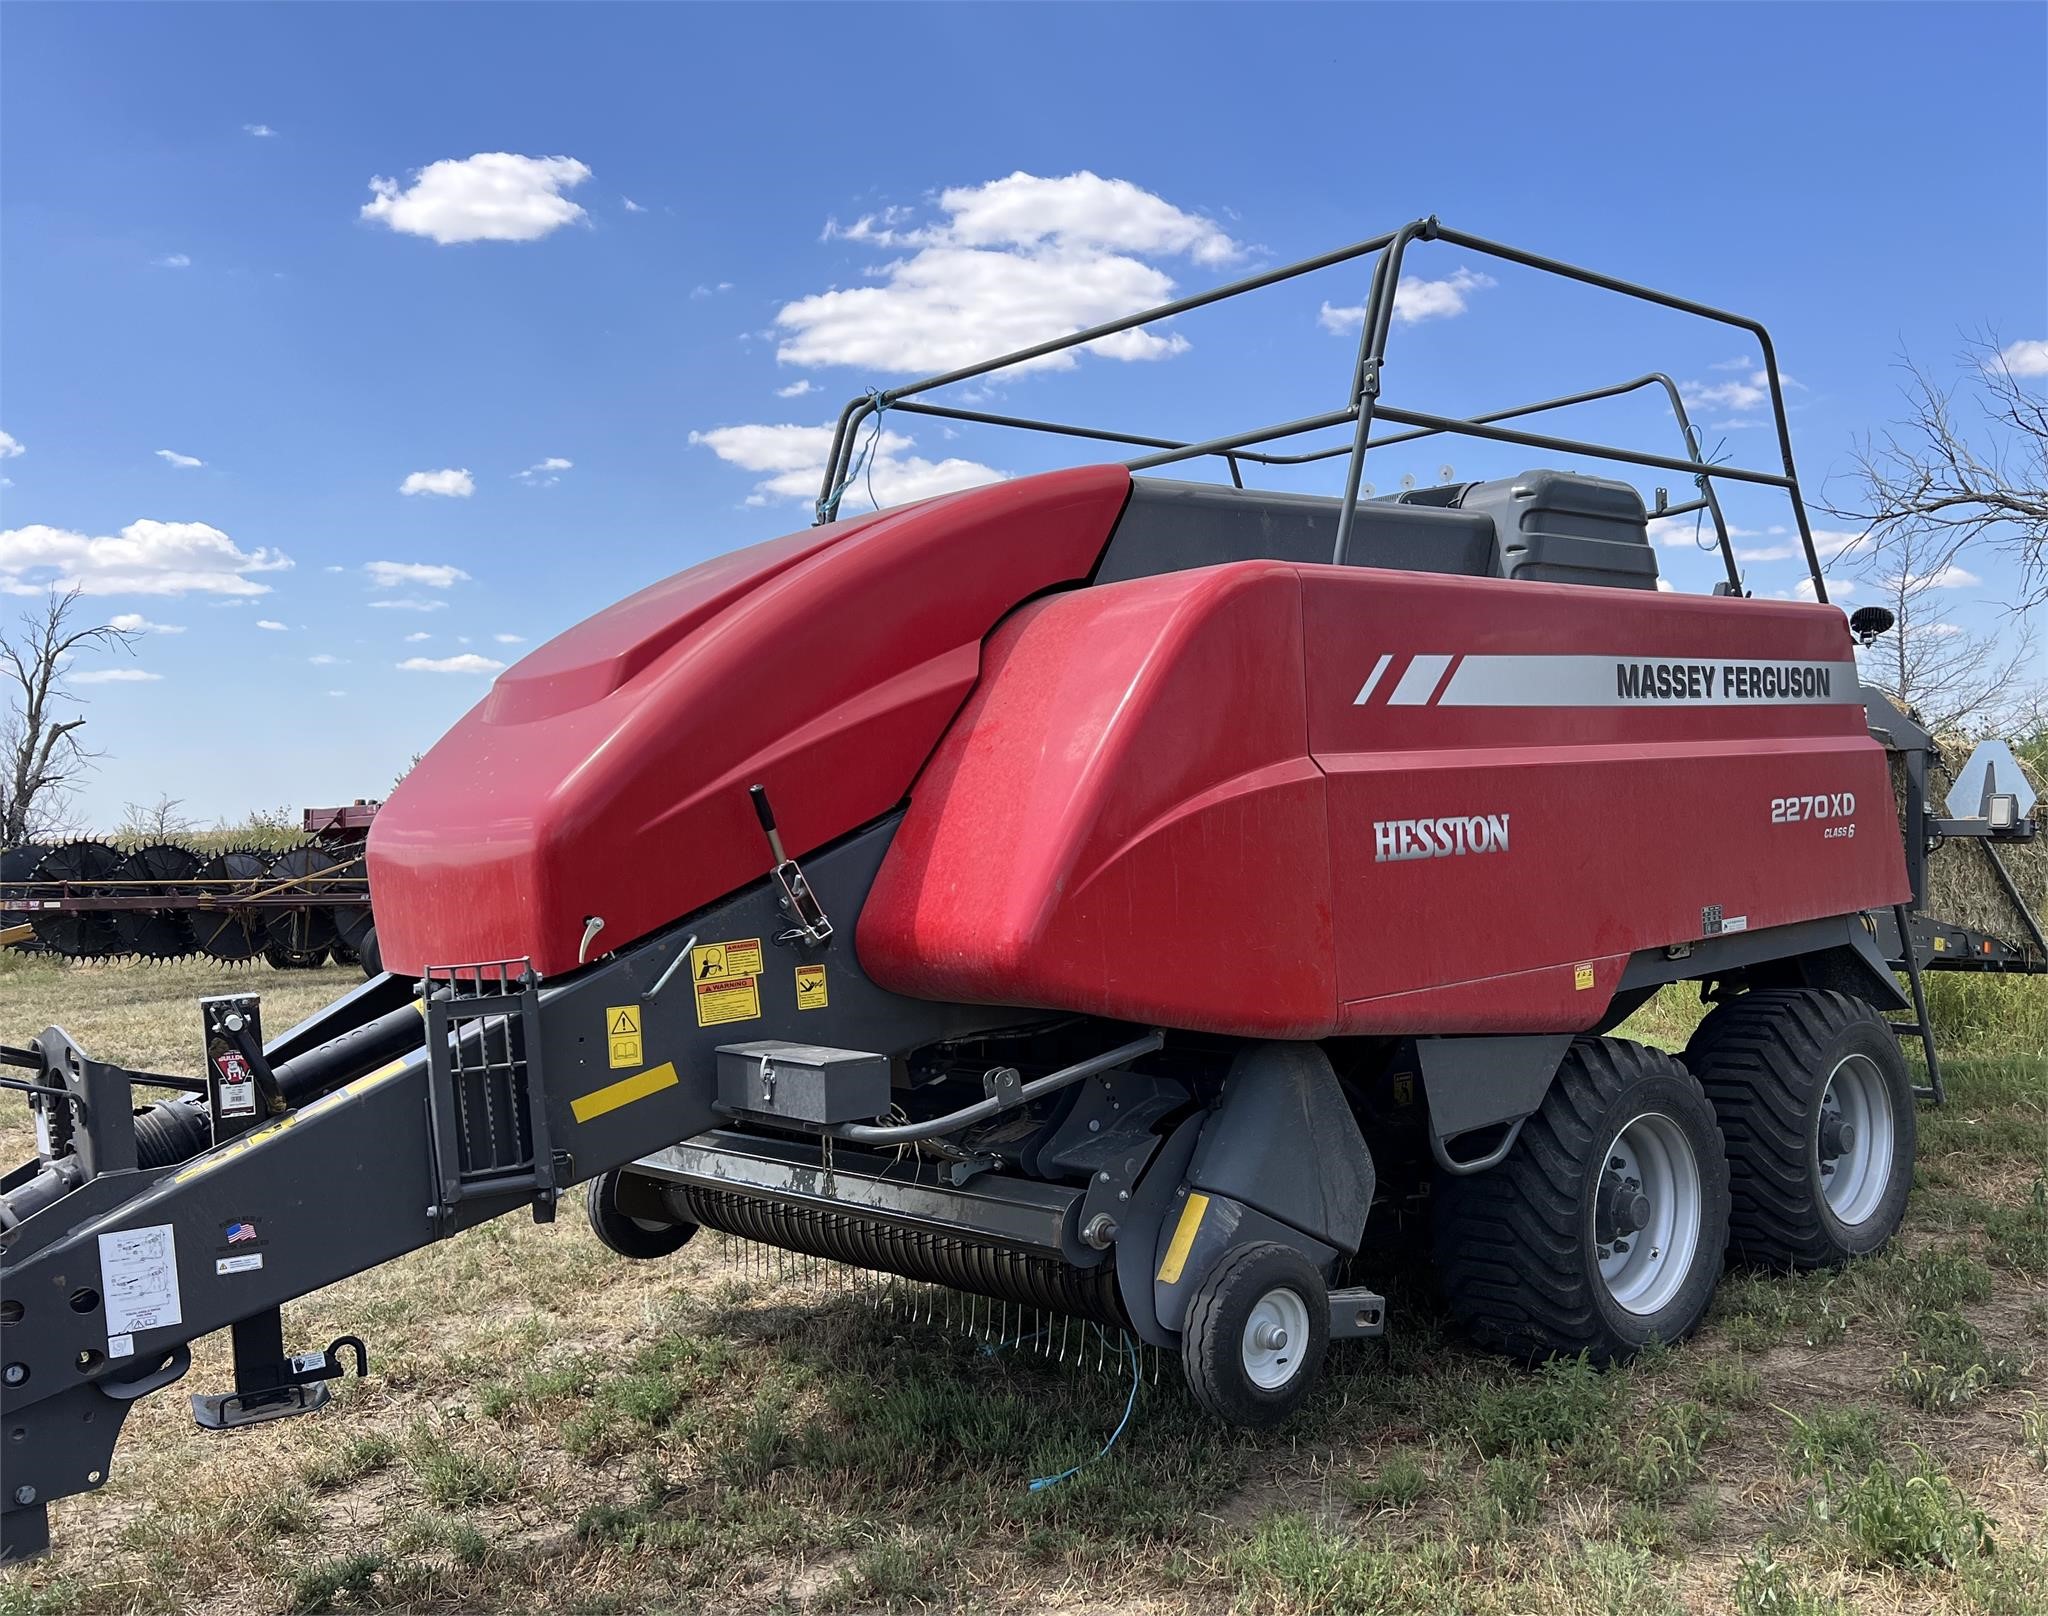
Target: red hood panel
606,773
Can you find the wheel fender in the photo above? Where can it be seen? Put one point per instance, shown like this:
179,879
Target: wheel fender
1201,1229
1283,1141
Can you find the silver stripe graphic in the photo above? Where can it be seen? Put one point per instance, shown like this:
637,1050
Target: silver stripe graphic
1418,679
1630,681
1371,679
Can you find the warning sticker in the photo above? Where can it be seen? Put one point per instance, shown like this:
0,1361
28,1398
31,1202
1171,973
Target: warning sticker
810,987
736,998
1582,977
717,962
237,1085
622,1034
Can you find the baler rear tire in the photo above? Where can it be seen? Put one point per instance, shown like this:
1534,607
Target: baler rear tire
1518,1245
624,1234
1230,1375
1768,1060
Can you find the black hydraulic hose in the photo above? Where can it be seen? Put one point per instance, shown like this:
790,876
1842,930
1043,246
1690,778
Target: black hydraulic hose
901,1133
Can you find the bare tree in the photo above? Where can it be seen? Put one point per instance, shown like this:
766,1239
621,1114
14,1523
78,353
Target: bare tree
41,756
160,821
1968,464
1953,679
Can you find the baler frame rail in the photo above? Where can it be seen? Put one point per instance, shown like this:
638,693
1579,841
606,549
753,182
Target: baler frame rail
1364,406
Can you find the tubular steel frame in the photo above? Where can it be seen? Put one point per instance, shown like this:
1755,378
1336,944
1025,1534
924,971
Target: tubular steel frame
1364,407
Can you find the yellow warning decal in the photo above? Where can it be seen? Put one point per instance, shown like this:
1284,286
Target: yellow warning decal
810,987
1940,944
1582,977
622,1034
624,1092
1183,1238
718,962
732,999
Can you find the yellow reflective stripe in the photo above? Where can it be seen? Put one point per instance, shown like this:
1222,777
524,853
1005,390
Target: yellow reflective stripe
624,1092
1183,1239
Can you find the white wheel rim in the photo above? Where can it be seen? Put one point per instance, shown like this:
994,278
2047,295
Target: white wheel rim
1275,1337
1644,1268
1854,1179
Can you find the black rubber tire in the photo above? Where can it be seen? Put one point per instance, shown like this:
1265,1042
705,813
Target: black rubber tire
1765,1060
371,955
629,1236
1515,1245
1212,1334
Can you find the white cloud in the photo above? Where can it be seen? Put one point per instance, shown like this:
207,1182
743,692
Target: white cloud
544,473
2027,357
428,574
272,624
796,389
114,676
136,623
334,569
323,660
1838,589
449,482
701,290
1946,576
408,603
1742,393
632,206
145,558
172,261
794,457
509,639
10,446
183,462
467,662
416,636
337,692
493,196
1741,362
1009,263
262,131
1415,300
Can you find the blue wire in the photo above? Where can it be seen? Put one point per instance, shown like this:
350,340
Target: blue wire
1137,1377
828,507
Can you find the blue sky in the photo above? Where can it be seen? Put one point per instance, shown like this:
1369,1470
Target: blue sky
222,236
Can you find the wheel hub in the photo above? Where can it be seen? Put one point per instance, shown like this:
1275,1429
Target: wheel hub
1268,1347
1646,1213
1853,1141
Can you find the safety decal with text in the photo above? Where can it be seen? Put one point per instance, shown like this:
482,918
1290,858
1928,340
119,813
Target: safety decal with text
1582,978
810,987
728,981
622,1035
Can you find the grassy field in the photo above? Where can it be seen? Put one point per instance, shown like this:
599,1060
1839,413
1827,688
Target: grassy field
548,1428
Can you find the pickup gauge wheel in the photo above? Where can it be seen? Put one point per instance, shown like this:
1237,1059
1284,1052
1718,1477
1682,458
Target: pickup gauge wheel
639,1238
1255,1334
1817,1107
1603,1229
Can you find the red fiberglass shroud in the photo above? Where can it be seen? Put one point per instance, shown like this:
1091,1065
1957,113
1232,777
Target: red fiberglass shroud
1264,798
607,773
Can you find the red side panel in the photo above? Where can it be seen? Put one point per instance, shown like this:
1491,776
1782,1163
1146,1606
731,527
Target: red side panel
1125,818
1169,800
606,773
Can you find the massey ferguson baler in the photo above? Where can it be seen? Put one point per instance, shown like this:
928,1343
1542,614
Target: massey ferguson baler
1094,892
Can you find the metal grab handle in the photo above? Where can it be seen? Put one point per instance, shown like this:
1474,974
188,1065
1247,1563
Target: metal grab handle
903,1133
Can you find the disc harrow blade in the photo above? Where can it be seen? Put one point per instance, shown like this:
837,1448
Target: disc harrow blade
168,870
84,866
229,933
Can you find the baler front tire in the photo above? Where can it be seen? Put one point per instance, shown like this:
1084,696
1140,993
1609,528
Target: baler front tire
1784,1067
1520,1248
1255,1334
624,1234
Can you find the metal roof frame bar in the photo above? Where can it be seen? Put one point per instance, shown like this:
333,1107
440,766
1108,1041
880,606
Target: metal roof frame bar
1364,406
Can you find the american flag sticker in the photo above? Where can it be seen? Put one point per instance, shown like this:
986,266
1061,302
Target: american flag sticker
239,1232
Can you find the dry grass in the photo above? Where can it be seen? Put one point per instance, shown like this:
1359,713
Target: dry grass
547,1428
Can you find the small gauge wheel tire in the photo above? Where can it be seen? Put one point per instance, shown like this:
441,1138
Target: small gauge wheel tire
1256,1331
638,1238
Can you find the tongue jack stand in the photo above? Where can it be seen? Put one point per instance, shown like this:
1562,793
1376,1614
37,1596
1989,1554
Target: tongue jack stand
270,1386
